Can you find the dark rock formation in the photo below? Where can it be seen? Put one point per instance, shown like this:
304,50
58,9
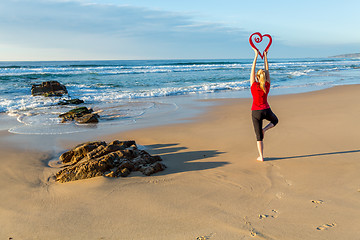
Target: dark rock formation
80,115
48,89
116,159
75,101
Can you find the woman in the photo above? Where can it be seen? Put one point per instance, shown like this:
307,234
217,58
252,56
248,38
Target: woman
260,86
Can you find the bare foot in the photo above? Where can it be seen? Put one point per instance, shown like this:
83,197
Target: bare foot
260,159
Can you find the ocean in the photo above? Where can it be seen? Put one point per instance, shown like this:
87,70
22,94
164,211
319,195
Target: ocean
135,93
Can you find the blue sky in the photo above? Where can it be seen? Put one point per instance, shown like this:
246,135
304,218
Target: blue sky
159,29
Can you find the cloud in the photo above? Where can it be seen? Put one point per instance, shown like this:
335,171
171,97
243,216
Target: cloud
83,18
111,31
76,30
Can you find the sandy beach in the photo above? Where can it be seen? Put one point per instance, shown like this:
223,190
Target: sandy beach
213,188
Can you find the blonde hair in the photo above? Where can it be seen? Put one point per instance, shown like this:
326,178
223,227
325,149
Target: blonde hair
261,76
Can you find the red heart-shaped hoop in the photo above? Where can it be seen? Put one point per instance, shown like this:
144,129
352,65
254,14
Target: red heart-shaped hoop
258,40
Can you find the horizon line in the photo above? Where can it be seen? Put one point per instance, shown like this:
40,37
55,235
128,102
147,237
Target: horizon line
167,59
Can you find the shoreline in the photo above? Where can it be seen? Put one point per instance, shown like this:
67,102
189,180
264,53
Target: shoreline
213,187
166,110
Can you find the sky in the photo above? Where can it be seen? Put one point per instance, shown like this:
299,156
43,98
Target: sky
33,30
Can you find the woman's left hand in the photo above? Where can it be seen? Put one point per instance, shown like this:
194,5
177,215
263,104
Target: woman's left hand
256,51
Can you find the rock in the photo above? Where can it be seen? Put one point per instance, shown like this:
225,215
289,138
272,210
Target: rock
88,118
75,101
48,89
116,159
80,152
126,164
80,115
96,151
76,112
124,172
110,174
154,168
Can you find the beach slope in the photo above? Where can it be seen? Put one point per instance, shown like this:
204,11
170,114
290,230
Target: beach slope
213,188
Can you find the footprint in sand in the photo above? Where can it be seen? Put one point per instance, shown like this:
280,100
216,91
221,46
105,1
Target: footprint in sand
326,226
202,238
205,237
262,216
280,195
288,182
274,214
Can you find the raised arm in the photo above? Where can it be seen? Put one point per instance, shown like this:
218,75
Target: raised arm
266,66
252,74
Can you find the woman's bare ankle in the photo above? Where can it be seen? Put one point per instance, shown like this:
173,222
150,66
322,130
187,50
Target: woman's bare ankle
260,159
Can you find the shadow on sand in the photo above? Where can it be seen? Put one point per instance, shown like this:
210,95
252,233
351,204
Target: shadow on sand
184,161
311,155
